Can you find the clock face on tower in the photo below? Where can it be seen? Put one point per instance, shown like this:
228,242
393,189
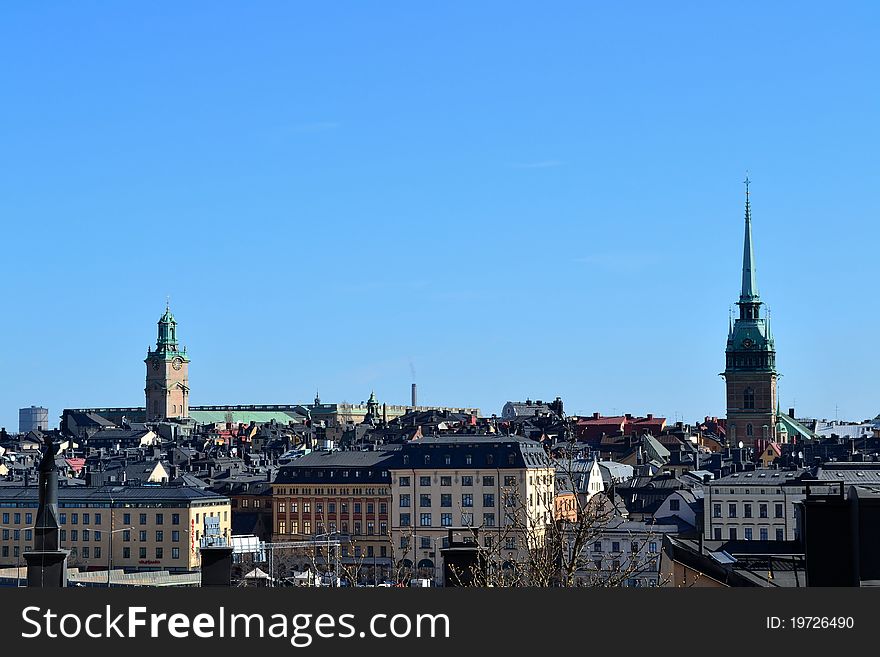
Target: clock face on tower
177,363
747,343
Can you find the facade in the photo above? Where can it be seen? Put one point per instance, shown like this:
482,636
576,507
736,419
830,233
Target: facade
148,527
345,495
625,553
34,418
750,372
167,389
754,505
477,481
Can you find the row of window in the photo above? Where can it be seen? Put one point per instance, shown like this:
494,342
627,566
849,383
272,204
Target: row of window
467,500
330,491
88,552
28,518
749,534
633,546
427,542
763,508
332,528
467,520
331,507
468,459
466,480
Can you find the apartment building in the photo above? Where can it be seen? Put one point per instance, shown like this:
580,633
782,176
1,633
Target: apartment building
135,528
503,485
754,505
343,495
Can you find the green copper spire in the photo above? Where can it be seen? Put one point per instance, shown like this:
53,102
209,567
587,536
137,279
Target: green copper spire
167,338
749,292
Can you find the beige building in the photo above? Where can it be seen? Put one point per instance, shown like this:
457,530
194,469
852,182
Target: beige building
147,527
501,485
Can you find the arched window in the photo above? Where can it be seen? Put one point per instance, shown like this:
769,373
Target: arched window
749,431
748,398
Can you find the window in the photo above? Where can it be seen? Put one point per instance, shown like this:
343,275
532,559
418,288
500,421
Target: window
732,533
142,553
126,535
780,534
370,508
160,536
467,519
97,519
779,513
142,536
467,480
307,526
404,500
160,552
488,499
319,508
424,500
85,534
731,510
716,510
615,546
425,520
294,526
597,546
331,507
6,518
748,533
763,533
488,520
717,533
424,481
143,519
445,481
749,430
748,401
357,507
652,547
762,510
446,519
468,460
160,518
73,535
74,518
175,518
404,543
281,507
97,552
747,510
510,480
467,499
371,528
282,527
634,546
97,535
175,553
488,481
383,508
175,536
510,543
446,499
126,553
404,481
126,518
674,504
404,520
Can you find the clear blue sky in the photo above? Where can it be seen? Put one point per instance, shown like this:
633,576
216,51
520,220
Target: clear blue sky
509,199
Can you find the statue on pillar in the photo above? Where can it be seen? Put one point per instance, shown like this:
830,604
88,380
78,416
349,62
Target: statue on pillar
47,564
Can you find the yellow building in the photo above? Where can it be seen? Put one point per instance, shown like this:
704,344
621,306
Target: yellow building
147,527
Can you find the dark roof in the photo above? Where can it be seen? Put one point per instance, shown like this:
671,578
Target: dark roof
103,494
338,466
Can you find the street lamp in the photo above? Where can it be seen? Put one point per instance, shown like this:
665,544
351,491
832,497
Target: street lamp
110,548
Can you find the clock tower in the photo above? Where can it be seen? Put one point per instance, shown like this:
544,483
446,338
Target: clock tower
750,372
167,390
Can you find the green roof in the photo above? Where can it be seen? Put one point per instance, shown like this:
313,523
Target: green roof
243,417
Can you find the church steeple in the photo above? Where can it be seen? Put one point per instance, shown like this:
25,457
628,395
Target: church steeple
750,371
749,301
749,285
167,337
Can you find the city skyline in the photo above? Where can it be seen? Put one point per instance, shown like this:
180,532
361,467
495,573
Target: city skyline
493,221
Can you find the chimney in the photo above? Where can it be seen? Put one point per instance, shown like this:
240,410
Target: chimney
650,416
595,416
414,397
791,411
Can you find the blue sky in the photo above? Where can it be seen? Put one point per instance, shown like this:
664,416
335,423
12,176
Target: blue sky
507,199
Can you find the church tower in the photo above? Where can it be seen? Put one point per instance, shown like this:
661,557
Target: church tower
167,390
750,373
